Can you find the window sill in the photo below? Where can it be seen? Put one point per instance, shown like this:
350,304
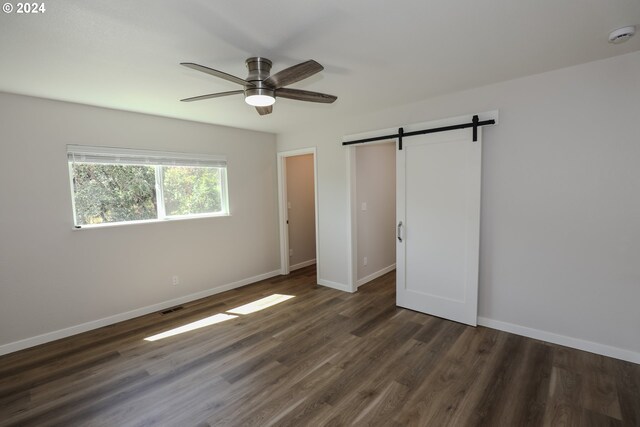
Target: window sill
147,221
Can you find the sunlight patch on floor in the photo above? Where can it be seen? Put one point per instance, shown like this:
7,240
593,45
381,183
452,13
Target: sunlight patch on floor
252,307
260,304
207,321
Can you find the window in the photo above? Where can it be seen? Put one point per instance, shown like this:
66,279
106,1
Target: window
117,185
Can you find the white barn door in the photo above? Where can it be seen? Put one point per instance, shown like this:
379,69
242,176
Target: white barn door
438,218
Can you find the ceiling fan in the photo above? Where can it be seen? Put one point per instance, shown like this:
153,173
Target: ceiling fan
261,89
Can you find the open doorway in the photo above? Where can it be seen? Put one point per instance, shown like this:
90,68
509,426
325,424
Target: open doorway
297,193
373,213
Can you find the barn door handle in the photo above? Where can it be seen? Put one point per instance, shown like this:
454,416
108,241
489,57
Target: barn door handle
400,231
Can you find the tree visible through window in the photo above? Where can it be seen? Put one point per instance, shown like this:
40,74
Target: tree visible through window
104,192
191,190
114,193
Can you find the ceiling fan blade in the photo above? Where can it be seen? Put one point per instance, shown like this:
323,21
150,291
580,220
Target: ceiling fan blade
212,95
264,110
305,95
216,73
293,74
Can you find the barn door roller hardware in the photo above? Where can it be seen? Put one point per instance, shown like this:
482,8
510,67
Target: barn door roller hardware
475,124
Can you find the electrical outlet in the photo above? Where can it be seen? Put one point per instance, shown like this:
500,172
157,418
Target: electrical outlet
290,252
364,261
364,206
175,280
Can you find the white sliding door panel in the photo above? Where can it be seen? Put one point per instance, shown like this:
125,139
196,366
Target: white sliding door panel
439,207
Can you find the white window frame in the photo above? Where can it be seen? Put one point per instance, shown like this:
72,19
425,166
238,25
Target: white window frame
158,159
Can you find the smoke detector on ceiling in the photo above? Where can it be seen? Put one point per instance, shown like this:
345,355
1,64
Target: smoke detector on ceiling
621,35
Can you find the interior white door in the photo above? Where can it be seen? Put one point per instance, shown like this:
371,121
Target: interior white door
438,214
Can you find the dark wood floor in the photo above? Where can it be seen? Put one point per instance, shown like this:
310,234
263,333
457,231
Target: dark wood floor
321,358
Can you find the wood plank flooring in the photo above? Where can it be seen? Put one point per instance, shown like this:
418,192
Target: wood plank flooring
323,357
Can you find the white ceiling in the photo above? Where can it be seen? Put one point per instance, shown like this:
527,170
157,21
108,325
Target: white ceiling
126,54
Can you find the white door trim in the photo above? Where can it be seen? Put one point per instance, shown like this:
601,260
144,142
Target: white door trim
282,205
352,234
350,156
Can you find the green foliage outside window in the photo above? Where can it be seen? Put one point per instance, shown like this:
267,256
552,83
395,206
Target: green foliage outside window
191,190
105,193
113,193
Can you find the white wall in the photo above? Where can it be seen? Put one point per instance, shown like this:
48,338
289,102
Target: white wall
301,209
560,218
376,188
52,277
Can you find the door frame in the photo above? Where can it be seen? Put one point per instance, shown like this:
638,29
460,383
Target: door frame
350,156
282,204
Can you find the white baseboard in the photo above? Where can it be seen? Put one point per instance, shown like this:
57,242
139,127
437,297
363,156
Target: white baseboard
592,347
375,275
302,264
95,324
335,285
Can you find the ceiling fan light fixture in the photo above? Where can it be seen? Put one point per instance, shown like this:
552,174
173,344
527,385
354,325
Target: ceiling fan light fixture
260,100
259,97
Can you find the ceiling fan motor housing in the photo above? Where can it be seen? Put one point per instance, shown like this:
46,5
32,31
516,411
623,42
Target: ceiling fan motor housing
259,70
